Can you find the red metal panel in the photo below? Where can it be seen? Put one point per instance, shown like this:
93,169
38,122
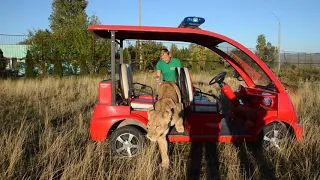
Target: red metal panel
100,125
211,138
204,123
101,111
104,92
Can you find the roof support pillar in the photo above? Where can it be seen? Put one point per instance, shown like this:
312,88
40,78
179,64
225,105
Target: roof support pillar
121,51
113,67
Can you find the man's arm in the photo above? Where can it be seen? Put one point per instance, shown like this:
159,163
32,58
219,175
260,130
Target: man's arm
158,69
158,73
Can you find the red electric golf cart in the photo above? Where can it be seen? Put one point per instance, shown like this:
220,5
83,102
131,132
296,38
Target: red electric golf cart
260,112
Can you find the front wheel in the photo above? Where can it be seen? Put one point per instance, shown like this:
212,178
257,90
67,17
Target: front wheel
127,141
274,137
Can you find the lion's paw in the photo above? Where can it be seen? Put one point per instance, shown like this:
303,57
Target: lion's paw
180,129
165,164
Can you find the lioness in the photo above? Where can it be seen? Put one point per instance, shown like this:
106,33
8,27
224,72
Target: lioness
168,112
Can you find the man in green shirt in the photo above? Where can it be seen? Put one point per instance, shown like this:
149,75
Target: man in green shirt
166,67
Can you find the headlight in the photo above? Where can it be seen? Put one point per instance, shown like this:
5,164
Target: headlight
267,101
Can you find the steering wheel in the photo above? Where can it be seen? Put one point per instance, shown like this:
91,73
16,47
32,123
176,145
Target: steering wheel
218,79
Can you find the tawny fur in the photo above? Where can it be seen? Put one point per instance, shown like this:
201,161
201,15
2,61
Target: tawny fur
168,112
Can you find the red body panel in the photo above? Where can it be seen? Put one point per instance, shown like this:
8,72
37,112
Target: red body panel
104,96
104,117
211,138
203,123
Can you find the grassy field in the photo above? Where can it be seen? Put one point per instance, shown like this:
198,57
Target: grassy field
45,135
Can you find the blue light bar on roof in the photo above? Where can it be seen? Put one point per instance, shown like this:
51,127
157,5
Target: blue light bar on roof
192,22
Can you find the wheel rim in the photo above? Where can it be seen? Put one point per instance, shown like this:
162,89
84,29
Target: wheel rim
127,145
272,140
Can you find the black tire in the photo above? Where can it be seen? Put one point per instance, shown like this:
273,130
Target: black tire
274,137
127,141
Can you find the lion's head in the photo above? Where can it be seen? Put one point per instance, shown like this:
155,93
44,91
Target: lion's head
159,119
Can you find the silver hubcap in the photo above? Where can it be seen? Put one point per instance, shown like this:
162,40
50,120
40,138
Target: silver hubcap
127,145
272,139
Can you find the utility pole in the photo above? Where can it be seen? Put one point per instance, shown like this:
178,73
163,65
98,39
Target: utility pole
279,42
139,2
139,42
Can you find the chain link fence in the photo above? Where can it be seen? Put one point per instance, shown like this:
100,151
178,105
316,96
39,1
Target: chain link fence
14,49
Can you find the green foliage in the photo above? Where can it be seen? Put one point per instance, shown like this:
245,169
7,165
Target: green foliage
58,71
265,51
212,60
132,51
40,41
2,65
126,54
174,51
29,73
183,54
83,67
68,38
102,53
295,74
150,54
69,23
197,55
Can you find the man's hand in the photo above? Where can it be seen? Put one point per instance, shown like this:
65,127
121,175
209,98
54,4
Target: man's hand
158,79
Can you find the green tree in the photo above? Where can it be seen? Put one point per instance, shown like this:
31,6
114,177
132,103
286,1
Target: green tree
69,24
126,55
212,60
150,54
174,51
184,55
2,65
69,38
132,51
196,57
261,44
29,73
40,48
264,50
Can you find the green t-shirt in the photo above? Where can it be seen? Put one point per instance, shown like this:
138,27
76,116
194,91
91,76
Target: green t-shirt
168,69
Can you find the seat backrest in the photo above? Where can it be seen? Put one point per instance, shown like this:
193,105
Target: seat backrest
126,79
185,84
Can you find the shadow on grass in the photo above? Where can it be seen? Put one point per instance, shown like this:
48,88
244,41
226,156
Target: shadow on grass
251,160
198,152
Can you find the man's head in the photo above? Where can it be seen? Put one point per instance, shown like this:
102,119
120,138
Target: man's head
165,55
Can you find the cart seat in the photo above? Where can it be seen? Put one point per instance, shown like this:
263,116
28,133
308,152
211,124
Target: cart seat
185,84
140,103
136,101
199,103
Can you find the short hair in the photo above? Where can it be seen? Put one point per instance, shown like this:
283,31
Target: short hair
165,50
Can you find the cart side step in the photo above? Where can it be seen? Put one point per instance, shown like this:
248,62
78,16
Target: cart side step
173,132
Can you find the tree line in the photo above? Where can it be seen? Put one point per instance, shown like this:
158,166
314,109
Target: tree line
69,43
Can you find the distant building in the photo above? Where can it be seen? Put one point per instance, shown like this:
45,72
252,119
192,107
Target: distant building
15,55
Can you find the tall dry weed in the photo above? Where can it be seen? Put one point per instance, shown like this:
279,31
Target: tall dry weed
45,135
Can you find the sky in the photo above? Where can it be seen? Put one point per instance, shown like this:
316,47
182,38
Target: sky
241,20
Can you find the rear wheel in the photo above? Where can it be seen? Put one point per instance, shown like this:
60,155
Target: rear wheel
127,141
274,137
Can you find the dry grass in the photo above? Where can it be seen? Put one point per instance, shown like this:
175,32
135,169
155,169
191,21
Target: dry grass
45,135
